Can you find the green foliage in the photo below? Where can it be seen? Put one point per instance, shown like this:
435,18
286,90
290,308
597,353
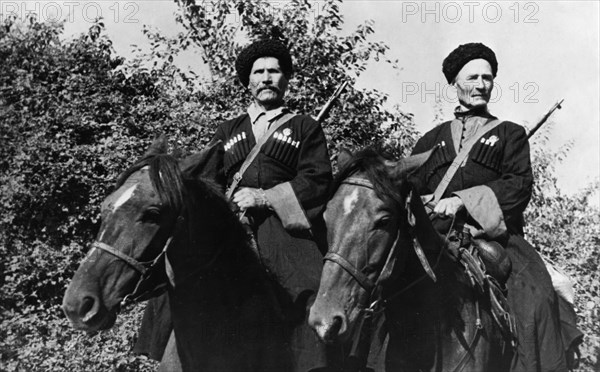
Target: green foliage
322,59
72,117
566,229
45,341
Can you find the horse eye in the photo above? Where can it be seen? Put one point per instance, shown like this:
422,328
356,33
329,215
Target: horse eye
382,223
151,214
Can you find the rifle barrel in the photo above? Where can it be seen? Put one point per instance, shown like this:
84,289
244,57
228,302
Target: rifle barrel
543,119
325,110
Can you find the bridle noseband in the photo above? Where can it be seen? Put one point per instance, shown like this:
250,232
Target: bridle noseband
363,280
141,267
145,268
372,287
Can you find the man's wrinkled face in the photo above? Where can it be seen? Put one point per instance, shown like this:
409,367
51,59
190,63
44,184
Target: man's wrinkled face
267,82
474,83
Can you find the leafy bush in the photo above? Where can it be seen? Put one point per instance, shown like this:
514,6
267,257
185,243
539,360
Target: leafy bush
45,341
72,117
566,229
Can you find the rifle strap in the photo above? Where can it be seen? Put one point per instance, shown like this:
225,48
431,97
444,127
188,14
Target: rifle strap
461,157
237,177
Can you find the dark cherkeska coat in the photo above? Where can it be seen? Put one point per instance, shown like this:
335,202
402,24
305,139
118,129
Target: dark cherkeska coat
504,166
296,155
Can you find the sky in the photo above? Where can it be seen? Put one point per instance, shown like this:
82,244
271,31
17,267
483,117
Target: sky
546,51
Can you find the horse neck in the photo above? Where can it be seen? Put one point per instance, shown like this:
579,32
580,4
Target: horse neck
214,244
450,292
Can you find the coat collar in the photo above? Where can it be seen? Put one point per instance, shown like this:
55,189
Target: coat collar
255,112
483,112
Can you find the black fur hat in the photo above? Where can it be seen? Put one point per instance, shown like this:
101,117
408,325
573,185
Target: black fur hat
465,53
263,48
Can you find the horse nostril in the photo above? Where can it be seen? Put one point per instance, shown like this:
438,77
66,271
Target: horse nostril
88,308
86,305
337,324
333,331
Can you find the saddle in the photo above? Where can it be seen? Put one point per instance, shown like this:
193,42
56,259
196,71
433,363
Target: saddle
494,258
488,266
486,263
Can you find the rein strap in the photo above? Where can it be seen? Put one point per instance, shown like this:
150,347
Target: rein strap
412,221
358,182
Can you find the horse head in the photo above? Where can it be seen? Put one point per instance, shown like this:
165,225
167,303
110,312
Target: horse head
140,220
365,218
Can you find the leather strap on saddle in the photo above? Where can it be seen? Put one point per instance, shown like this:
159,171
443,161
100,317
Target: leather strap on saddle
422,231
485,263
469,253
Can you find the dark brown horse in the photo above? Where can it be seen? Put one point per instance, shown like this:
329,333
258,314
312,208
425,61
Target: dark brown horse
433,326
168,222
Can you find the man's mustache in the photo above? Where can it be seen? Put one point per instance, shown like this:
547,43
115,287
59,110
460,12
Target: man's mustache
274,89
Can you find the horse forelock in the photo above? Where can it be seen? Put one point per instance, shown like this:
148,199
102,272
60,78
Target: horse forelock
375,166
167,180
174,187
165,176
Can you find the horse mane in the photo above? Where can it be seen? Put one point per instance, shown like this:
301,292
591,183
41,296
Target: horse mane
176,190
375,164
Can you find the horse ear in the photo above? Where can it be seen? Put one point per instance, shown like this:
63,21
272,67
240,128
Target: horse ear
158,146
207,164
412,163
343,158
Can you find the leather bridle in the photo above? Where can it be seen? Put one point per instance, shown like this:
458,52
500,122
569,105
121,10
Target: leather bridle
145,268
363,280
372,287
375,287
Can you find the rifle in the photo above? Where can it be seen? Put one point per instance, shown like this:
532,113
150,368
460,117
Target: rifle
543,120
325,110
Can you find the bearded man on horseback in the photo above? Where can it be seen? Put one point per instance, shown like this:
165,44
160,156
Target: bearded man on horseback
485,198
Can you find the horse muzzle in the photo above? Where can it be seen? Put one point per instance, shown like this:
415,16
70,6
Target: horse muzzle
329,329
87,313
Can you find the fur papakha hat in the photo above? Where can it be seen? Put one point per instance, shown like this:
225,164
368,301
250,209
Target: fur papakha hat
465,53
263,48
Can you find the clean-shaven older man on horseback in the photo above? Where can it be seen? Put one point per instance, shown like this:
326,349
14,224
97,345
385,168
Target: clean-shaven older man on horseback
283,189
490,191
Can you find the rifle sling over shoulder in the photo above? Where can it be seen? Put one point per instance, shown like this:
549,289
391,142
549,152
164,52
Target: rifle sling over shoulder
461,157
237,177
